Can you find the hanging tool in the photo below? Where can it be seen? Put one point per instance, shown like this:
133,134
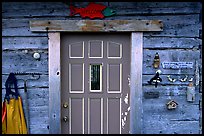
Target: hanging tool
26,97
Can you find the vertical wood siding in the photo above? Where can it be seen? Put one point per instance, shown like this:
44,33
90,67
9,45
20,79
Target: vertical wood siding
181,40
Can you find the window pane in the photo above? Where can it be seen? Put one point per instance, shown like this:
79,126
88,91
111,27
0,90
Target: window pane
95,77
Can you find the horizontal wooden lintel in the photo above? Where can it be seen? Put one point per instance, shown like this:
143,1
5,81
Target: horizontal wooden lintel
95,25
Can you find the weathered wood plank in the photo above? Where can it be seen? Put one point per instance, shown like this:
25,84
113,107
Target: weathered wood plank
160,112
154,4
19,61
168,90
175,26
42,82
36,96
39,129
14,43
158,119
170,56
95,25
165,80
136,83
171,43
150,42
18,27
157,11
181,25
18,10
54,83
171,127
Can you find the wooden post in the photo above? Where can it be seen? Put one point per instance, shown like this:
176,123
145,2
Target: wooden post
136,83
54,83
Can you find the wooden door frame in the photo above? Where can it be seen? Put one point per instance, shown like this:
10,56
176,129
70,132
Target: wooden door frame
135,27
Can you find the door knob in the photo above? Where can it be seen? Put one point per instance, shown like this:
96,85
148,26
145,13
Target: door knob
65,105
65,118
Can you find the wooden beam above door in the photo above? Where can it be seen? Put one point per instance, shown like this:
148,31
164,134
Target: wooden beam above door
95,25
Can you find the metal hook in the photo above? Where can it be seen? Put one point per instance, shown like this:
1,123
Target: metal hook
156,79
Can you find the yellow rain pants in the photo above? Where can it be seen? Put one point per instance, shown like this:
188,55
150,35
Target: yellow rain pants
14,120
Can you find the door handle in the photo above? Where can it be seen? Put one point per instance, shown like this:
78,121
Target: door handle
65,118
65,105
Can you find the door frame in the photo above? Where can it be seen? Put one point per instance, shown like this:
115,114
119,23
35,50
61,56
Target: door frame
135,27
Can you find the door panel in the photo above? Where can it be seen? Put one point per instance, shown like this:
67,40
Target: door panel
95,69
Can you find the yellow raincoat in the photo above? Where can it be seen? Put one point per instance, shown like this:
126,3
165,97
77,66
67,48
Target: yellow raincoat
14,120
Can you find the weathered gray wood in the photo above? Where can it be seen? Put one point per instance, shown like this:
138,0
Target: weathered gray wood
24,43
154,111
150,42
42,82
171,127
154,4
165,80
56,9
175,26
136,83
170,56
95,25
168,90
18,27
171,43
19,61
54,83
182,22
39,129
179,26
156,11
158,119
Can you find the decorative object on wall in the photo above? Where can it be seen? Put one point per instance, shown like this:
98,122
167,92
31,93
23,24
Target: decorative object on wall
36,55
190,92
92,11
156,62
171,105
184,79
181,79
151,95
177,65
171,79
191,79
156,79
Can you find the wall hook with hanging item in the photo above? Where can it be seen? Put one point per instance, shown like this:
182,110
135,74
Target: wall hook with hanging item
14,121
156,79
171,79
30,76
156,62
184,79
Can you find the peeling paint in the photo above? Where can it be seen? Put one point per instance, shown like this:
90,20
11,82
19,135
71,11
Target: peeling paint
124,119
126,99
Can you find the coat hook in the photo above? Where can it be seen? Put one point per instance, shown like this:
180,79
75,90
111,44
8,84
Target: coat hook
171,79
156,79
184,79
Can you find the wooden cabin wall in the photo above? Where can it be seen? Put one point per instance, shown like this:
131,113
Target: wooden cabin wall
181,40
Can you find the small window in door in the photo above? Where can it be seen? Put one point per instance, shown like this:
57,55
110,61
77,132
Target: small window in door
95,73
